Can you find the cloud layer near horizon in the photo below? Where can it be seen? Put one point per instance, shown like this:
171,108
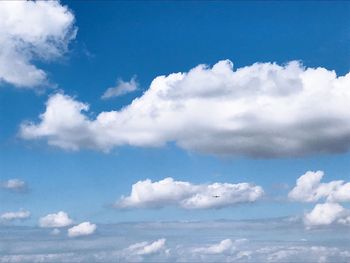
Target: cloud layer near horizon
30,31
263,110
220,241
167,192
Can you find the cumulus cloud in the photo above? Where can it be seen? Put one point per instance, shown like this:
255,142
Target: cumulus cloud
310,189
326,214
13,185
60,219
10,216
83,229
32,30
186,195
122,88
263,110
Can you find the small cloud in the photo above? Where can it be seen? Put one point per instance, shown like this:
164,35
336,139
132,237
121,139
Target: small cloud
19,215
122,88
147,248
83,229
14,185
61,219
55,232
222,247
226,246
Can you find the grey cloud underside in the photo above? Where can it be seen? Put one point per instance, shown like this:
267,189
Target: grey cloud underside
263,111
216,241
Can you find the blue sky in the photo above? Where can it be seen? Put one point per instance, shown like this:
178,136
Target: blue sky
88,168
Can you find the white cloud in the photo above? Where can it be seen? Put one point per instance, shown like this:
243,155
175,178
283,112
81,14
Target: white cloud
274,253
305,254
32,30
226,245
122,88
310,189
60,219
10,216
326,214
13,184
147,248
83,229
263,110
190,196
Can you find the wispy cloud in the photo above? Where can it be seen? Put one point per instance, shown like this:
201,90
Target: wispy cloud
122,88
18,215
15,184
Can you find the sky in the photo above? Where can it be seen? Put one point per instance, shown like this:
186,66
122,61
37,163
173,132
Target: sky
117,113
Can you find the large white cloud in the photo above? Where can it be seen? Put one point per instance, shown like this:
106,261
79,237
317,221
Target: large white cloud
60,219
310,189
190,196
32,30
10,216
83,229
262,110
326,214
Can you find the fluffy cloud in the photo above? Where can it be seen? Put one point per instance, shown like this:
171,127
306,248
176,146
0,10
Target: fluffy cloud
32,30
83,229
263,110
10,216
13,185
60,219
310,189
122,88
326,214
190,196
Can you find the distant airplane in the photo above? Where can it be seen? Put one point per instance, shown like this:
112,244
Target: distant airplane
216,196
